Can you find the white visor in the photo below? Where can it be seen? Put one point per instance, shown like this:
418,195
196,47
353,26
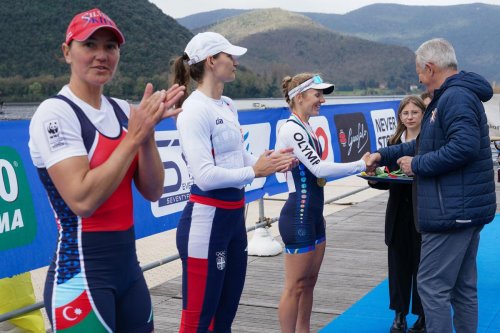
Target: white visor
316,82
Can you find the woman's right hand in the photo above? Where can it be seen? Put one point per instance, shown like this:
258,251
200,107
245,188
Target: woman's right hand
274,161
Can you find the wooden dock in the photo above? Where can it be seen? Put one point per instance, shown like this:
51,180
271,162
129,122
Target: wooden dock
355,262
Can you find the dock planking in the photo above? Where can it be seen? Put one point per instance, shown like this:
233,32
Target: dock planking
355,262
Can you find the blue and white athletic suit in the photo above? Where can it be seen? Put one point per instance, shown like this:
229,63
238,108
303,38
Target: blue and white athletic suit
94,283
301,221
211,236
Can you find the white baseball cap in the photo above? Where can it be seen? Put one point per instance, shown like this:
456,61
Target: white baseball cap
206,44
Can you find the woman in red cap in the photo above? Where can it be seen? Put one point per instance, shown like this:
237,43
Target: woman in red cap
88,149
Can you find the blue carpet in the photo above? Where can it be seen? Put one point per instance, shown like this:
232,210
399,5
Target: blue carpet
372,314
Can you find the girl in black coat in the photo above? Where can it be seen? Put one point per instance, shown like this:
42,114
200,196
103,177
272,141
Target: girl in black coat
401,236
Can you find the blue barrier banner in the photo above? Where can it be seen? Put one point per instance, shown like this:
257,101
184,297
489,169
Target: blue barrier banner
28,232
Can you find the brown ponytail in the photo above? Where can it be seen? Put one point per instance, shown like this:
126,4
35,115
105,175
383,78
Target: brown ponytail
181,76
284,87
183,72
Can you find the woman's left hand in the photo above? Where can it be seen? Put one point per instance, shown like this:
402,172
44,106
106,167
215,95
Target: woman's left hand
172,96
405,165
154,107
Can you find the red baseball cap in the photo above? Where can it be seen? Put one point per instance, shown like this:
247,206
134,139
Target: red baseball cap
83,25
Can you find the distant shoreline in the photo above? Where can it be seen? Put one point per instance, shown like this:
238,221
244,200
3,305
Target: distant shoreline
25,110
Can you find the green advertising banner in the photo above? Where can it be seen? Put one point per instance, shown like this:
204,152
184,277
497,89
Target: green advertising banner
17,214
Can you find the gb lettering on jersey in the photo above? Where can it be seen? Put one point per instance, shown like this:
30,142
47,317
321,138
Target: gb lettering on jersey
53,132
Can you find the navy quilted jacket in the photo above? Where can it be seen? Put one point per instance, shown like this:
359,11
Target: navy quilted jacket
452,163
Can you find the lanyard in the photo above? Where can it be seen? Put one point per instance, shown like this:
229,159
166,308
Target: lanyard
310,133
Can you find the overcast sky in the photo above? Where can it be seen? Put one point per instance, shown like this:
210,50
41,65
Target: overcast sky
189,7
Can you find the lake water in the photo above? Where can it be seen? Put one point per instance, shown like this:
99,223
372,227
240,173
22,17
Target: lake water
13,111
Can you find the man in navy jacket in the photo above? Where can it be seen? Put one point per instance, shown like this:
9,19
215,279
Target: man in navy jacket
453,172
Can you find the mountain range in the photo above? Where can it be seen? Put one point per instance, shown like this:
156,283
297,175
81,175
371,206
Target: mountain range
283,43
32,31
367,51
471,28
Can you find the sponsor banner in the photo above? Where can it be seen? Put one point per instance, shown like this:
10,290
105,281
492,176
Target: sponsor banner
17,214
24,206
27,227
384,125
256,141
178,179
352,134
322,131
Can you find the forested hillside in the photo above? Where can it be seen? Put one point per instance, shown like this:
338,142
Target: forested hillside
367,51
282,43
31,33
472,28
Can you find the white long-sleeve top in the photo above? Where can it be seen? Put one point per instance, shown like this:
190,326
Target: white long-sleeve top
47,149
293,135
212,142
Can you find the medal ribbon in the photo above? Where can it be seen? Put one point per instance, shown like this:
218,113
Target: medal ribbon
310,134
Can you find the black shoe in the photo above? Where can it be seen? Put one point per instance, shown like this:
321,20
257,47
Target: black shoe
418,326
399,323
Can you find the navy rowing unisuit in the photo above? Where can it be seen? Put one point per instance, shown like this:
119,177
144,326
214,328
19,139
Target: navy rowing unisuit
301,221
94,283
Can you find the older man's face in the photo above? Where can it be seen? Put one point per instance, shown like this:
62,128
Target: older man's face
424,76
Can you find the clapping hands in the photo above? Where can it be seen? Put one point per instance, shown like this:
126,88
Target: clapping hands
154,106
275,161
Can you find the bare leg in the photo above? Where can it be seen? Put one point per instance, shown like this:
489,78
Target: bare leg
306,300
299,270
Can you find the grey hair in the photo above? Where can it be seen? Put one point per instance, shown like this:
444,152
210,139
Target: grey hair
438,51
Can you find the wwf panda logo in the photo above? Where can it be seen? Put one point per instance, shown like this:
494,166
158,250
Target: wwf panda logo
52,128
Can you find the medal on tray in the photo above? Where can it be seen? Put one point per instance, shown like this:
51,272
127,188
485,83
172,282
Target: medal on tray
321,182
